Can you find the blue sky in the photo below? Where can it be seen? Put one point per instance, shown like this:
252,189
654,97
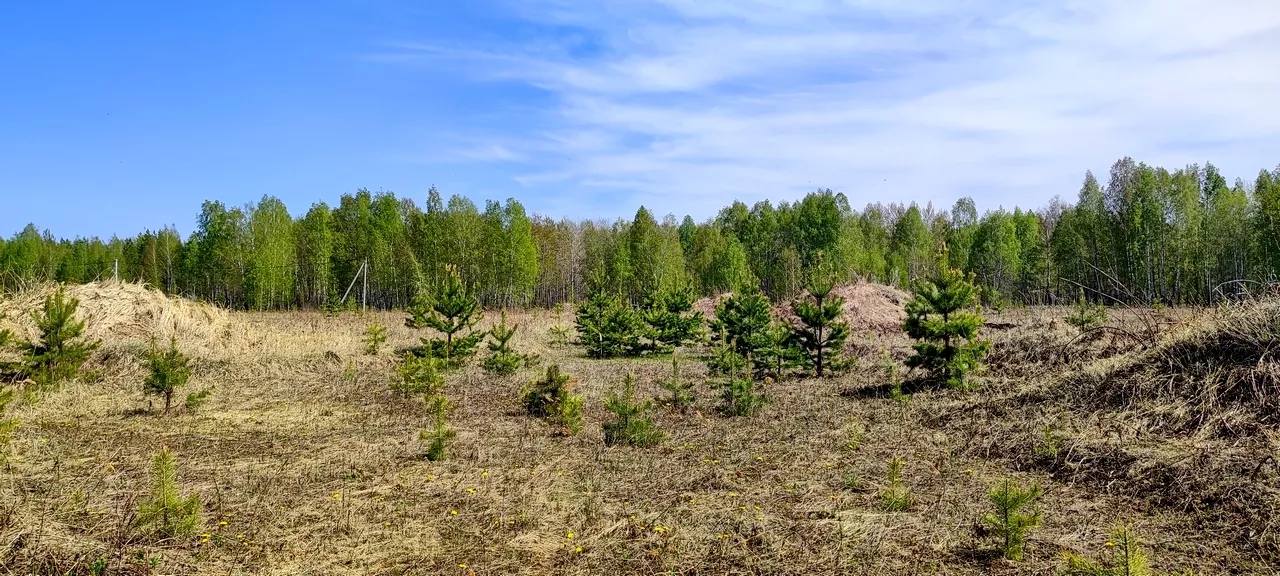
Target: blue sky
117,117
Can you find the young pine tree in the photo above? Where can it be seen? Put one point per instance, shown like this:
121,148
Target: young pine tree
553,400
374,337
166,512
440,434
680,390
774,353
59,352
167,371
671,319
608,328
819,332
1085,315
630,425
1126,557
419,376
945,330
502,360
738,318
450,310
1013,517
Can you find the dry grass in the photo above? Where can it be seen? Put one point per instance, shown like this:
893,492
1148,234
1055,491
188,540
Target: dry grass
315,468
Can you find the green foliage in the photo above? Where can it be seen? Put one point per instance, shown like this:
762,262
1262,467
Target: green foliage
671,319
630,425
502,360
895,496
890,370
1013,516
946,335
1086,315
1125,558
374,337
450,310
608,328
738,318
197,399
440,435
725,361
553,400
1050,444
59,352
680,391
167,370
419,376
773,351
819,333
739,393
166,512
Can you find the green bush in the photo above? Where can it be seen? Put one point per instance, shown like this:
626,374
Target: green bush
60,351
630,425
773,351
739,317
1013,517
946,334
552,399
167,370
671,320
419,376
166,512
197,399
374,337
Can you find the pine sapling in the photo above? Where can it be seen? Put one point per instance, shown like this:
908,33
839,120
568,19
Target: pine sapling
774,353
671,319
440,435
451,309
166,512
1085,315
560,335
895,495
945,330
167,371
60,351
630,425
1126,557
738,318
197,399
1013,517
418,376
608,328
819,333
374,337
739,395
552,399
7,425
502,360
680,391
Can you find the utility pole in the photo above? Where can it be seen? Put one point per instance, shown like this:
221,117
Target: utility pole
364,294
115,271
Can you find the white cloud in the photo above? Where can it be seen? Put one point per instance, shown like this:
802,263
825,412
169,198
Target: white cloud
692,103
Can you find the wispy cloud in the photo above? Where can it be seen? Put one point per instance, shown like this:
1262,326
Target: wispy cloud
688,104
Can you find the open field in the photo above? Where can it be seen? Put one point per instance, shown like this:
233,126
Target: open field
307,464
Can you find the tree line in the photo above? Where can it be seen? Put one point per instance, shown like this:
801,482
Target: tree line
1145,235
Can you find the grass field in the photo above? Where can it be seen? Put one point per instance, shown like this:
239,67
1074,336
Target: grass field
307,464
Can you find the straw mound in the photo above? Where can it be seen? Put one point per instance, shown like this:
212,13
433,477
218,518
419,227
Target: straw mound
866,307
117,311
1221,372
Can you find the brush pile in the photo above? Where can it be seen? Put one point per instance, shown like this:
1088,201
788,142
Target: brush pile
117,312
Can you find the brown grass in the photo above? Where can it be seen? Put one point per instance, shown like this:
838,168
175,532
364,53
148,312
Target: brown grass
315,467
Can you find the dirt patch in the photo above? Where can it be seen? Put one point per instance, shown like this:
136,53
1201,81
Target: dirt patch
867,307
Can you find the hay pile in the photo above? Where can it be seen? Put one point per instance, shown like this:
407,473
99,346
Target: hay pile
118,312
1220,372
867,307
